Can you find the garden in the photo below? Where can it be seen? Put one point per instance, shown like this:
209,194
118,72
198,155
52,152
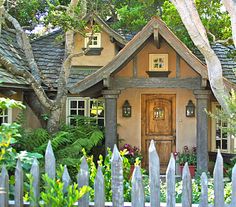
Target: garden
23,151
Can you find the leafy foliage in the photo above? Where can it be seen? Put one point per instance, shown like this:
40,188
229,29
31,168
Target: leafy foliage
187,155
105,163
67,143
54,194
9,133
214,18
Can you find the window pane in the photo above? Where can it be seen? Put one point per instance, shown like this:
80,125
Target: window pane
81,104
101,122
218,134
73,112
81,112
224,135
73,104
224,144
218,145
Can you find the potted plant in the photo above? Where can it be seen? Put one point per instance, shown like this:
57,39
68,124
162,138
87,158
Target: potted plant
189,156
133,154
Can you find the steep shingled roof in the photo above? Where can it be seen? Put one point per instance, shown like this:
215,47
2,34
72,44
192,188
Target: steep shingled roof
227,62
49,53
10,50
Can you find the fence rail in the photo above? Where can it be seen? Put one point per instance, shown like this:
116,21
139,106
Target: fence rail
137,195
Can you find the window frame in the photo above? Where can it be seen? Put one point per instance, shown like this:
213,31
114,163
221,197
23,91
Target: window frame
99,40
9,116
230,140
86,108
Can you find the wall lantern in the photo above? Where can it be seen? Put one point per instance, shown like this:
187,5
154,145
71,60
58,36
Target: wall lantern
126,109
190,109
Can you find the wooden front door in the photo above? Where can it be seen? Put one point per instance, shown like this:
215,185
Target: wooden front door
158,123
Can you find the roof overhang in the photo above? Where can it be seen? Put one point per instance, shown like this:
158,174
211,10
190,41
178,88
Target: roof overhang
155,25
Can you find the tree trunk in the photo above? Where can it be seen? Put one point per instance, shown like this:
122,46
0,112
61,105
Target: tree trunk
36,106
191,19
54,120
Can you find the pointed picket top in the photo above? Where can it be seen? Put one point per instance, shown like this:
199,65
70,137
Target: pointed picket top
84,164
138,198
4,187
204,190
170,180
65,179
115,155
187,187
154,175
83,179
117,178
50,161
233,196
19,185
35,173
99,189
218,181
137,175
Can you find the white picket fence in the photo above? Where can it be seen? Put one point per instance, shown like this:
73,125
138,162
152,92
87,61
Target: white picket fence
138,197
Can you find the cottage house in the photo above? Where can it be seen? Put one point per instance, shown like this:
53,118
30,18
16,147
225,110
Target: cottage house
151,87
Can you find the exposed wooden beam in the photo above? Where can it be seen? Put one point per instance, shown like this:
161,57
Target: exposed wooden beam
156,36
135,67
189,83
177,65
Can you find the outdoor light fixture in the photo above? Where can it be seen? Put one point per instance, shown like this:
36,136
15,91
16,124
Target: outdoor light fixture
190,109
126,109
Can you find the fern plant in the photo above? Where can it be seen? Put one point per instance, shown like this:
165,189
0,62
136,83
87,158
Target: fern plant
67,143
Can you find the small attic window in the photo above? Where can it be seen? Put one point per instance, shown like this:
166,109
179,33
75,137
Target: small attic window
95,41
158,62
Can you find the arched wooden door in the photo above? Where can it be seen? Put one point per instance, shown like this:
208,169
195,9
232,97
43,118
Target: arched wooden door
159,124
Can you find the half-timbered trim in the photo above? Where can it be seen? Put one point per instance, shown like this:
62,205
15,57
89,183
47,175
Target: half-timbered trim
131,48
188,83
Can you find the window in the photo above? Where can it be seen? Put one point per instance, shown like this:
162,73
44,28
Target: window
158,62
93,108
221,139
95,41
5,116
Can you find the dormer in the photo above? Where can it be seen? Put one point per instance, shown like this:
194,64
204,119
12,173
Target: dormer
104,44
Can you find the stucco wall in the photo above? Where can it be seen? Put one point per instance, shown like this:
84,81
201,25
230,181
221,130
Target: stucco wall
106,56
143,62
129,129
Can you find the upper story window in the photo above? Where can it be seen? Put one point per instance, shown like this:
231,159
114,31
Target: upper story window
221,138
93,108
95,40
158,62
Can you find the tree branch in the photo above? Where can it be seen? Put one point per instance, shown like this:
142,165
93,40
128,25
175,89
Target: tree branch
190,17
39,91
24,43
230,6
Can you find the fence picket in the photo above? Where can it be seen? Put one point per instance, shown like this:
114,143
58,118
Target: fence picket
154,176
187,187
65,179
218,181
18,185
50,161
99,188
117,178
233,199
83,179
36,177
137,196
4,186
170,181
204,190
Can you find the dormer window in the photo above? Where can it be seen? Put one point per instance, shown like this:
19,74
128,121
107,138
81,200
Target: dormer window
95,40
